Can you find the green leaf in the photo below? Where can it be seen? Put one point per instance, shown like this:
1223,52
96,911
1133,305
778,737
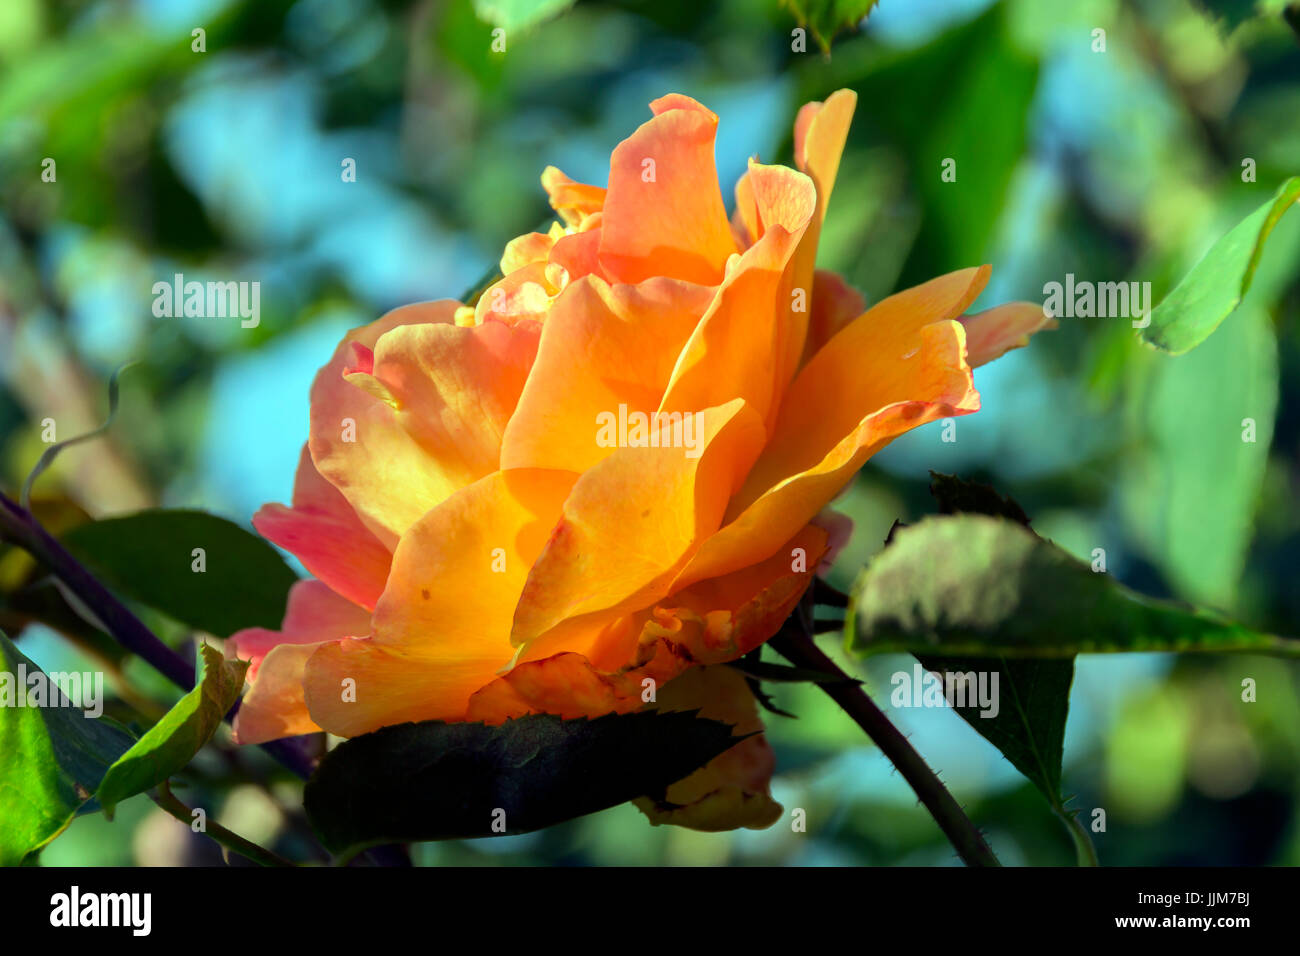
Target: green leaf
437,781
518,14
826,18
1033,695
1028,727
1200,428
972,585
1216,285
51,759
149,557
172,742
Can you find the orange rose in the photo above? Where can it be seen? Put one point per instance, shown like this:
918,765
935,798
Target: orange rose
604,480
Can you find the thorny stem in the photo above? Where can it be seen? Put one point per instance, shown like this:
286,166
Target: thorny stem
798,648
230,840
20,527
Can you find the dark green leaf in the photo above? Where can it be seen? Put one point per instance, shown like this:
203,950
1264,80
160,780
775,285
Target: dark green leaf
1028,726
959,495
51,759
971,585
1216,285
435,781
172,742
149,557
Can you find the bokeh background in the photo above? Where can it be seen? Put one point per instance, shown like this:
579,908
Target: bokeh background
1116,165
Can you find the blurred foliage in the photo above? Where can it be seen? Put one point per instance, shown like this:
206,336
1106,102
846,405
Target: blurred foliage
1122,165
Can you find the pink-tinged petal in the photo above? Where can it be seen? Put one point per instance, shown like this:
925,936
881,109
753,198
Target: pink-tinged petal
326,535
899,365
733,789
314,613
574,201
427,422
835,304
602,348
440,630
663,212
736,350
839,529
273,705
996,331
636,517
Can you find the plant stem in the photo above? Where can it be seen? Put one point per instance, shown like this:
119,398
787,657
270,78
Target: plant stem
19,526
798,648
228,839
1083,848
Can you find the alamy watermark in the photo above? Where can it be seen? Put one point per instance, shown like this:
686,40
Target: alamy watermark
78,690
965,689
649,430
1101,300
208,300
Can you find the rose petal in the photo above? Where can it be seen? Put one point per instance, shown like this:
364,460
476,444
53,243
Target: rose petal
663,212
608,666
899,365
574,201
735,351
326,535
449,392
634,518
602,348
996,331
273,706
439,631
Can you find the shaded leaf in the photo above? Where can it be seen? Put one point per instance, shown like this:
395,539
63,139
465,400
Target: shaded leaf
149,557
51,760
172,742
1028,727
957,495
1189,421
971,585
1216,285
437,781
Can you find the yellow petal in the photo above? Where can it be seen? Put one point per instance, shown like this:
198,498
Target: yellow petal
424,420
441,629
899,365
736,350
273,706
663,211
635,517
603,349
820,132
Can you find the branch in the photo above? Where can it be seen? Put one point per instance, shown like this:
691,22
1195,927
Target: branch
798,648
